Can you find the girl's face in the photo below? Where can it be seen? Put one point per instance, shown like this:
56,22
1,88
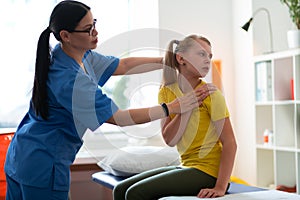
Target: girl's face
85,35
197,59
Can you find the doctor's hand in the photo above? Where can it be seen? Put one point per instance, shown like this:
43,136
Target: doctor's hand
206,90
191,100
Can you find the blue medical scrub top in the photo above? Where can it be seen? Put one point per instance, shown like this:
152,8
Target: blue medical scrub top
41,151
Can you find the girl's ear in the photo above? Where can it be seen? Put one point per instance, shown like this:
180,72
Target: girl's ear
180,59
64,35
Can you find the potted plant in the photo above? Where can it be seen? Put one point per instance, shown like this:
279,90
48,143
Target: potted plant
293,36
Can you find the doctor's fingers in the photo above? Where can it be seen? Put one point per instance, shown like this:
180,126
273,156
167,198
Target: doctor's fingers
189,102
207,88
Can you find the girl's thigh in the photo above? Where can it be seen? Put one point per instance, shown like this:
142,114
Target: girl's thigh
120,190
180,181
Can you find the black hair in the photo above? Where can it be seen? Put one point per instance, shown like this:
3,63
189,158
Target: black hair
65,16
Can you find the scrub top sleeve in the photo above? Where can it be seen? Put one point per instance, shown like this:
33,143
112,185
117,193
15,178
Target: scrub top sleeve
103,66
81,96
90,106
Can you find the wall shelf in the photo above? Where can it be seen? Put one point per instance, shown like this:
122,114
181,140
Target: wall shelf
277,109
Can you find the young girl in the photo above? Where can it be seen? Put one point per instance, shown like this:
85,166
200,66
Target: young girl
67,100
204,136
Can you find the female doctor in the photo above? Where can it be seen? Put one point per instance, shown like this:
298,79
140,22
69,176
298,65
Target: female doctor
67,100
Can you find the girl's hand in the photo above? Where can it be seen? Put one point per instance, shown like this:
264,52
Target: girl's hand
191,100
211,193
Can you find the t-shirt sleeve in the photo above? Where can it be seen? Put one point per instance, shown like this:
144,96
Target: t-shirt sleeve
162,95
166,94
217,106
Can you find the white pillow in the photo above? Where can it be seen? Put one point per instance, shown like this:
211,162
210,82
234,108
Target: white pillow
132,160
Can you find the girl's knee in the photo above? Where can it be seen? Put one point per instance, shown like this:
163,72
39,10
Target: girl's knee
119,192
135,192
131,194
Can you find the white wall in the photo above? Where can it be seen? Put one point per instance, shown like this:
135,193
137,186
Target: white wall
245,166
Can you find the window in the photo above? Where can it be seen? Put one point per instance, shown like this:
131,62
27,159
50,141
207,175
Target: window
21,23
134,90
24,20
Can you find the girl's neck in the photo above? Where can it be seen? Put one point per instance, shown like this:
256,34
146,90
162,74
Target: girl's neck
188,84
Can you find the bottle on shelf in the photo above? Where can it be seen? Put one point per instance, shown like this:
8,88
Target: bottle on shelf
268,137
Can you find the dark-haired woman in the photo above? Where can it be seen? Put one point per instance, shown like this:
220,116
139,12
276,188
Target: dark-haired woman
67,100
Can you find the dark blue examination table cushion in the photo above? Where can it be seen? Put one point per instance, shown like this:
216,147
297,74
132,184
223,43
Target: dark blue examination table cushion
108,180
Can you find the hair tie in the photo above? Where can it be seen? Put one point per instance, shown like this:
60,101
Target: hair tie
175,47
48,30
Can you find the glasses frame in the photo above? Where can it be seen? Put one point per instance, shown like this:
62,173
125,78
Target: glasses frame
89,31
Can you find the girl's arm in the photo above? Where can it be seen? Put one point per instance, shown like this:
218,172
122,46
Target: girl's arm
227,160
135,65
173,129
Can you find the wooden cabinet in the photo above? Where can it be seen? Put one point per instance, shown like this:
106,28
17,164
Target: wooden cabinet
82,185
277,114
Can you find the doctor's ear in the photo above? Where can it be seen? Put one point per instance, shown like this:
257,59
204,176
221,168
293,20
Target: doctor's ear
64,35
180,59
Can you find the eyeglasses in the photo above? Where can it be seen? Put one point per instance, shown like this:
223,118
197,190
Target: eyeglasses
89,30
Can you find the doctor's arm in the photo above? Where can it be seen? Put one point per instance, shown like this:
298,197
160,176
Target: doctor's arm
135,65
143,115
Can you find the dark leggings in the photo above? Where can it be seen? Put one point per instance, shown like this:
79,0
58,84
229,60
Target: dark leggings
162,182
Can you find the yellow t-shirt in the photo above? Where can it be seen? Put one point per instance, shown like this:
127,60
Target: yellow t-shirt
199,146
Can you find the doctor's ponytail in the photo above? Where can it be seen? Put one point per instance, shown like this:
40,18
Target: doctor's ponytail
65,16
42,63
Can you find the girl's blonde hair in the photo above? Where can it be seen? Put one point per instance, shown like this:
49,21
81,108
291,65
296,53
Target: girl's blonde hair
171,65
